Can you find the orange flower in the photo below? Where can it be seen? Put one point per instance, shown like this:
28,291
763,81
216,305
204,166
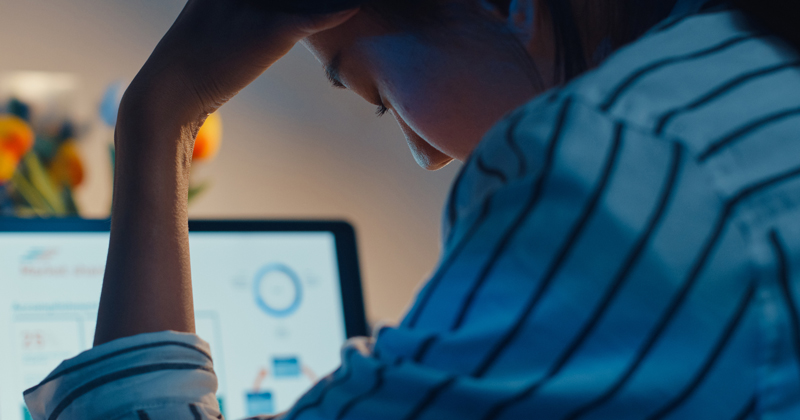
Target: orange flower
16,136
206,145
8,164
66,169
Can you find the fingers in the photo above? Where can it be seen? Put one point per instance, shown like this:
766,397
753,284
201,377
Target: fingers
319,23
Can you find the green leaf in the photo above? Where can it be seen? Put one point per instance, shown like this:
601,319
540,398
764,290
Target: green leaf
44,185
196,190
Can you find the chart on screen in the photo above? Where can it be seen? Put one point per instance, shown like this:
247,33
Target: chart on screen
259,300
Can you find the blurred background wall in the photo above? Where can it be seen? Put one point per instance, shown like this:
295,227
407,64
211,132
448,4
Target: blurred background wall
292,148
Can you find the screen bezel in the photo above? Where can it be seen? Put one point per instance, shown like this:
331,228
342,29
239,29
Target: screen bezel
343,232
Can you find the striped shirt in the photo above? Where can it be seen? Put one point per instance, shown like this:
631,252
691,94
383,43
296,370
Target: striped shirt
625,247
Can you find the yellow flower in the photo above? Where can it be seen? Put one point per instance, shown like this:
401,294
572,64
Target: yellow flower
66,169
8,164
206,145
16,136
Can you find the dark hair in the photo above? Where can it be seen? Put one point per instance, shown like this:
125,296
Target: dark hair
778,16
622,20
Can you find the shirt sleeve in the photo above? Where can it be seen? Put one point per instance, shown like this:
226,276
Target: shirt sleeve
164,375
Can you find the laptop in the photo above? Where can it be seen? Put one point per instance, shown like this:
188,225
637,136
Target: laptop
274,299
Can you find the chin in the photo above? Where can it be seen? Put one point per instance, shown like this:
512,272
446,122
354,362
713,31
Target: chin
428,157
432,162
438,165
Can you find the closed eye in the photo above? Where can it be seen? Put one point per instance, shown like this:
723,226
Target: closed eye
332,72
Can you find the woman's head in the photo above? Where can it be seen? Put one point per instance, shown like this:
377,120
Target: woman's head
447,70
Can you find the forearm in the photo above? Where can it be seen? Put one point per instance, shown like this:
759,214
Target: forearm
147,284
213,50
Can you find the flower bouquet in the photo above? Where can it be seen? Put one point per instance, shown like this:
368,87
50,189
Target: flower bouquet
40,163
39,169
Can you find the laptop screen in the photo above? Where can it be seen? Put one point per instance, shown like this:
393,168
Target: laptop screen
269,303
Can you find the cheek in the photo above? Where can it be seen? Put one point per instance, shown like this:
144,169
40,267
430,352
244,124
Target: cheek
411,78
449,96
424,153
424,110
435,94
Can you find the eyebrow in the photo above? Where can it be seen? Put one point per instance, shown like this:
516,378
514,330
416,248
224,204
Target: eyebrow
332,71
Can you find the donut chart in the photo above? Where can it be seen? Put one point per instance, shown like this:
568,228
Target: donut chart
278,291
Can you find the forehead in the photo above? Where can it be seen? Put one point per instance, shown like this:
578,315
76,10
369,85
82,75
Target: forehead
328,44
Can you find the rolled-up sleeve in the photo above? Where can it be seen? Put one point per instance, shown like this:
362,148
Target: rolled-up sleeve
164,375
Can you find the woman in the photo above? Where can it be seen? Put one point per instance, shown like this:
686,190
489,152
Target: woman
622,247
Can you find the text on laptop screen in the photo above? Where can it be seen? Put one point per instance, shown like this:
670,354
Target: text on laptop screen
268,303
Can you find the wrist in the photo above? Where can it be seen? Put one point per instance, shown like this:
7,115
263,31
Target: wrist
154,140
163,97
159,113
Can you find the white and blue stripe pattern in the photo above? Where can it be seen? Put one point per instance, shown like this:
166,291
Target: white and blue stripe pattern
163,375
620,249
626,247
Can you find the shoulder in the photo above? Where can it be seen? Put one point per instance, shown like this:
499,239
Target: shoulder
702,63
667,58
663,70
687,82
